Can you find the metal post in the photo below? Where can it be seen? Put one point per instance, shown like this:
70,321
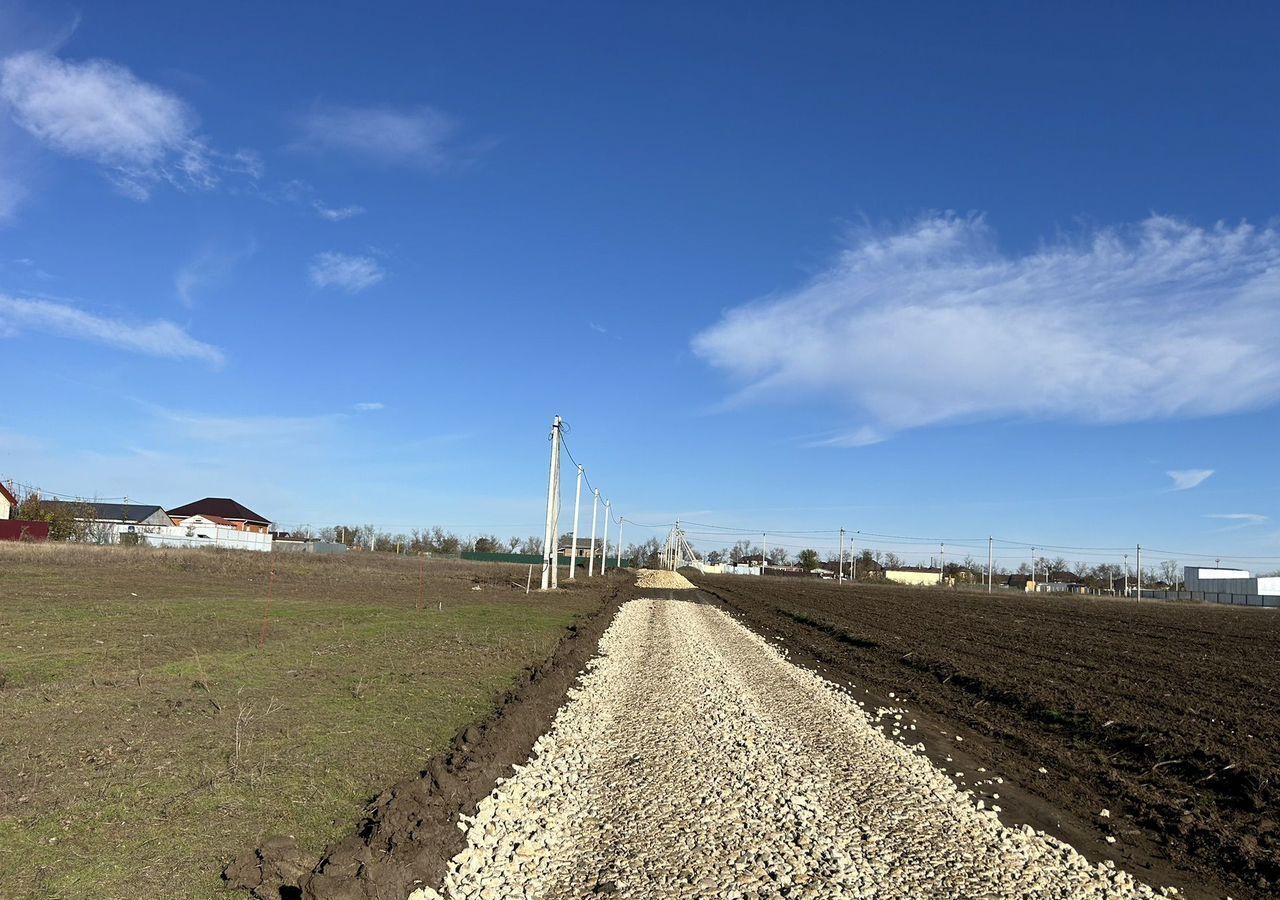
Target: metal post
549,537
1139,573
620,523
990,571
595,507
604,555
840,577
573,550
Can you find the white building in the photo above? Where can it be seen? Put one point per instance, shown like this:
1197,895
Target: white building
1229,581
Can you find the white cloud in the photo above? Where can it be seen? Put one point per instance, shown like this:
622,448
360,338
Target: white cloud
204,270
159,338
369,407
1244,518
379,134
140,134
935,324
337,213
1186,479
349,273
238,429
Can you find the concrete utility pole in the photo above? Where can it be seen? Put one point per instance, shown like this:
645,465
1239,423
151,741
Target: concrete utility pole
595,508
620,524
573,551
604,555
942,569
840,577
549,537
990,571
1126,574
1139,573
764,554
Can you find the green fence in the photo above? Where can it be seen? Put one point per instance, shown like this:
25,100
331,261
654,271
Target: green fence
535,559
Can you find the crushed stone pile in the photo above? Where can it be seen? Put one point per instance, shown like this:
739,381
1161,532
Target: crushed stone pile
694,760
663,579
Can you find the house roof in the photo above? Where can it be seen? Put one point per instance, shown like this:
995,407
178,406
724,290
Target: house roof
5,492
107,512
931,569
223,507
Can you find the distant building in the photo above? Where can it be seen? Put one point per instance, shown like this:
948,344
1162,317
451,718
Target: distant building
914,575
1059,582
110,513
583,550
8,503
222,511
1229,581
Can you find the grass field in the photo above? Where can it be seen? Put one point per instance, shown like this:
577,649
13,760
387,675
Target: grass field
146,738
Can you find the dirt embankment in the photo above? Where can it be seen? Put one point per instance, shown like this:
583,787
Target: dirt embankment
1165,715
410,830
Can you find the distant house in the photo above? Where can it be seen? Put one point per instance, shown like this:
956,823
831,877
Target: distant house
110,513
753,560
862,567
1018,582
584,548
8,503
915,575
1058,582
221,511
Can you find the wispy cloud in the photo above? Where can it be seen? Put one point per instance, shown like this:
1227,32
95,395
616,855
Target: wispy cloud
1186,479
935,324
369,407
159,338
1242,518
139,133
237,429
379,134
348,273
205,269
337,213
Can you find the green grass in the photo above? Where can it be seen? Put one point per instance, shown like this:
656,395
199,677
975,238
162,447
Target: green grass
147,738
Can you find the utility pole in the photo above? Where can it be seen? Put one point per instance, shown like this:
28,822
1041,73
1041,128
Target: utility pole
942,569
621,521
604,555
990,570
840,577
1033,563
764,554
573,550
595,507
549,537
1126,574
1139,573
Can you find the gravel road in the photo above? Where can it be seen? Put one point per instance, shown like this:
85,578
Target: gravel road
695,761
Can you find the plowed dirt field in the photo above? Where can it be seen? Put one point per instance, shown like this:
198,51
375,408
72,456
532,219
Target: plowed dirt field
1165,715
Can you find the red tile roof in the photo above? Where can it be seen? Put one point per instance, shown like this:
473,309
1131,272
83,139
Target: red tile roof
224,507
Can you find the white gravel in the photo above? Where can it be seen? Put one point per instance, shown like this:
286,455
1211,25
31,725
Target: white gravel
695,761
663,578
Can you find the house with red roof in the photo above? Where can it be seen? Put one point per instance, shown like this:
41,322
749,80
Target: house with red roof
220,511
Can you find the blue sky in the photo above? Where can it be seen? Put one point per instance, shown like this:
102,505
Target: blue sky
920,270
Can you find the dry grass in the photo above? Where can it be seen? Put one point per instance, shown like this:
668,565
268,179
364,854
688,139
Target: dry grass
147,738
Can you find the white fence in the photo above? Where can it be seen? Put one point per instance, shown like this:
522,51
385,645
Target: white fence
1269,601
196,536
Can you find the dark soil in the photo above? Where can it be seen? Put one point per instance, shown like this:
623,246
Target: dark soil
410,830
1165,714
